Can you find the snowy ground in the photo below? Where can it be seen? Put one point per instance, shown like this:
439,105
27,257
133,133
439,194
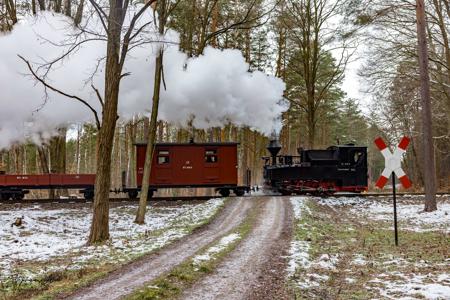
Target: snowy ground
410,215
50,240
331,248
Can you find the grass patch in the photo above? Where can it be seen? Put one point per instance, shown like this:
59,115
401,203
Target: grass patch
173,283
349,253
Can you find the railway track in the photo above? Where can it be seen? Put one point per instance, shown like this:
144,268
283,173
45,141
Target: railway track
113,200
201,198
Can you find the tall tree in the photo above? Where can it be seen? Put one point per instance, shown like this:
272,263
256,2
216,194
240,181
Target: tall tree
163,8
308,24
118,43
429,167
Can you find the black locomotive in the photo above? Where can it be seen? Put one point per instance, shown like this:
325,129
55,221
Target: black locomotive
341,168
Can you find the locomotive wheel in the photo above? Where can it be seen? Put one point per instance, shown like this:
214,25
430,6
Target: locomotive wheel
132,194
224,192
285,193
239,193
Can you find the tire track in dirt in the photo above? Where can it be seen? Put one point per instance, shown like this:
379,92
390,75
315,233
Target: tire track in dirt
256,268
125,280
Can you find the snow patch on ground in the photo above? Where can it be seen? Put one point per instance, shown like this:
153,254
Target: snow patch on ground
298,256
350,280
410,216
416,287
299,206
219,247
61,234
359,260
299,250
326,261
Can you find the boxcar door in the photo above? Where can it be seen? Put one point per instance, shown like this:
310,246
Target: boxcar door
211,161
161,174
188,164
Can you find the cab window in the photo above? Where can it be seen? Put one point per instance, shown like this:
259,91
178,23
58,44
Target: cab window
211,156
163,157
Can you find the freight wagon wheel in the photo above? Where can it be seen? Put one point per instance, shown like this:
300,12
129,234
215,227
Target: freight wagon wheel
132,194
239,193
88,195
150,193
4,197
224,192
18,196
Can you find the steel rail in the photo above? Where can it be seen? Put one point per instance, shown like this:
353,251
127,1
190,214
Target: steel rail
205,198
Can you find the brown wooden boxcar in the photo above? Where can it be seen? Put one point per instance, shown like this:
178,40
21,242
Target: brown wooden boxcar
180,165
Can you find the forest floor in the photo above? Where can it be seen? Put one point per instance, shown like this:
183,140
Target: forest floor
47,253
344,249
243,248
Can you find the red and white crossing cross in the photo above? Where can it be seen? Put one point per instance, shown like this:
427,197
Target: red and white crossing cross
393,162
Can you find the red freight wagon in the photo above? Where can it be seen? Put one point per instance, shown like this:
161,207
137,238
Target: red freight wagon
16,186
192,165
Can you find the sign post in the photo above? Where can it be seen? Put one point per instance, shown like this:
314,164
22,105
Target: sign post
395,209
393,166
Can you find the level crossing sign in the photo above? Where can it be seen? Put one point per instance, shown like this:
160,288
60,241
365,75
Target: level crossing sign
393,166
393,162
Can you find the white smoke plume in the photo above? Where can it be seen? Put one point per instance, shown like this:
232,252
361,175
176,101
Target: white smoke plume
212,90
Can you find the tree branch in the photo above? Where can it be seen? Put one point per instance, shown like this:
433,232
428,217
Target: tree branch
46,85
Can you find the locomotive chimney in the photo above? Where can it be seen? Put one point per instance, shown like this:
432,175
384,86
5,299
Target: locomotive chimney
274,147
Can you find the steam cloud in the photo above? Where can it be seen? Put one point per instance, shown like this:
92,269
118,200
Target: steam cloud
211,90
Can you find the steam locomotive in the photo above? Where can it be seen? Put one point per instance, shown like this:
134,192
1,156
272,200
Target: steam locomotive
341,168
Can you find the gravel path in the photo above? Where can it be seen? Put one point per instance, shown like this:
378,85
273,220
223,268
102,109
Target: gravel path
125,280
256,268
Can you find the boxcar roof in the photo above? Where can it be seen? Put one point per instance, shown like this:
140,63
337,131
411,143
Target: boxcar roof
191,144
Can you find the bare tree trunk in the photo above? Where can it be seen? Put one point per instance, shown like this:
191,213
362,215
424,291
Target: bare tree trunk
41,4
116,179
79,13
58,156
430,171
100,222
43,158
78,152
68,8
131,174
140,215
12,12
58,5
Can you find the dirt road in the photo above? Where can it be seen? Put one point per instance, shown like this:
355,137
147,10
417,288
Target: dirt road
256,269
126,280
